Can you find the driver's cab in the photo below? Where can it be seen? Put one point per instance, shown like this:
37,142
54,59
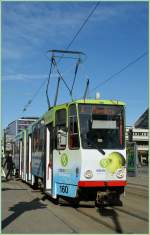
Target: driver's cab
66,128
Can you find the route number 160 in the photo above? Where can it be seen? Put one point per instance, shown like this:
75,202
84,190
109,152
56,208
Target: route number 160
64,189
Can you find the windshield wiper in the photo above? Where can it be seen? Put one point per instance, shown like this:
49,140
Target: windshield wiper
100,150
97,147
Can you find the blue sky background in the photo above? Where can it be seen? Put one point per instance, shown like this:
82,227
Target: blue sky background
115,35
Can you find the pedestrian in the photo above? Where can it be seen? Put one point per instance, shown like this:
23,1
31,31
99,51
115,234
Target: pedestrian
10,166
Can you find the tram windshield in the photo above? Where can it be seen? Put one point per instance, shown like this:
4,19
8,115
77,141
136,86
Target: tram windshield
102,126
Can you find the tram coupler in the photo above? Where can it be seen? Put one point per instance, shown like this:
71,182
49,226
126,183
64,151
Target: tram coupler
108,198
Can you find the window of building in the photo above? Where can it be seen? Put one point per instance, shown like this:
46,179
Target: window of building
73,137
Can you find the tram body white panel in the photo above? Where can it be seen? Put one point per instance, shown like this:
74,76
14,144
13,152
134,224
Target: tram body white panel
66,171
29,156
24,158
20,157
91,160
70,167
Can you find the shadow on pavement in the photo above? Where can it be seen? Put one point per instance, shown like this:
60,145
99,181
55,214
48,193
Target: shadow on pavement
6,181
111,213
64,204
6,189
20,208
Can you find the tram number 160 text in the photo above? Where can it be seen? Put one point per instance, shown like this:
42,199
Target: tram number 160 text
64,189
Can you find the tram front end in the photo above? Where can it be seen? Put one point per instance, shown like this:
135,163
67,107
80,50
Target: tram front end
103,153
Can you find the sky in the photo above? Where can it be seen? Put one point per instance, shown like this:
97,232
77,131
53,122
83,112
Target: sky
115,35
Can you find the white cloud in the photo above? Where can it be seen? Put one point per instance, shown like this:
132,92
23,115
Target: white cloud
32,27
26,77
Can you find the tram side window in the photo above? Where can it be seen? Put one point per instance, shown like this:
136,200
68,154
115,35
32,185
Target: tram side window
60,129
22,148
73,128
41,138
34,138
16,148
38,138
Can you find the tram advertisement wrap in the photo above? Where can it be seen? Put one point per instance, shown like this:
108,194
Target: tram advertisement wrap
114,163
103,167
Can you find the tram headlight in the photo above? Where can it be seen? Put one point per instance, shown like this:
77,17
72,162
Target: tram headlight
88,174
120,173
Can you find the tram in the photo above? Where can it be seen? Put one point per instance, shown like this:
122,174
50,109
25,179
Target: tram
77,151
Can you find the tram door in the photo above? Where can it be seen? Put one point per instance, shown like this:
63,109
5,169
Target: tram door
29,162
20,157
49,159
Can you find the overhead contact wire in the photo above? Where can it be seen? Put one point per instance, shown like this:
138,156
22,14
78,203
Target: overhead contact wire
120,71
69,45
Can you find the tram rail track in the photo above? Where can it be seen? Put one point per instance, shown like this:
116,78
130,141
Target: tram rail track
139,185
119,230
126,211
111,218
132,214
140,192
137,194
121,209
113,227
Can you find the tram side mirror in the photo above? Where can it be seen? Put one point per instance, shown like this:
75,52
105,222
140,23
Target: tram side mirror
61,139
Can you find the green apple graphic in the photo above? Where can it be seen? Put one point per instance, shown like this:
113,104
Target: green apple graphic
104,163
113,162
64,159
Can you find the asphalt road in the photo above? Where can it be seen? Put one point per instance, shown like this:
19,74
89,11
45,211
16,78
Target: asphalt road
27,211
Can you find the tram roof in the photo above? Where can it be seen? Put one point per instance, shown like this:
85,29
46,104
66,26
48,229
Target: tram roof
90,101
49,115
112,102
109,102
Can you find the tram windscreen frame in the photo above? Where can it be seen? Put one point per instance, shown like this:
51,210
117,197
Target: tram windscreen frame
102,126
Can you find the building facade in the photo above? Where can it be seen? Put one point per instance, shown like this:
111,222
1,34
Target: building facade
13,129
18,125
142,121
140,135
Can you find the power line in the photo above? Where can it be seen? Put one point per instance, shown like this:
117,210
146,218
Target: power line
120,71
33,97
83,24
69,45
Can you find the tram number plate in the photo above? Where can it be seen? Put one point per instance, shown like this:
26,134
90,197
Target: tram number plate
64,188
